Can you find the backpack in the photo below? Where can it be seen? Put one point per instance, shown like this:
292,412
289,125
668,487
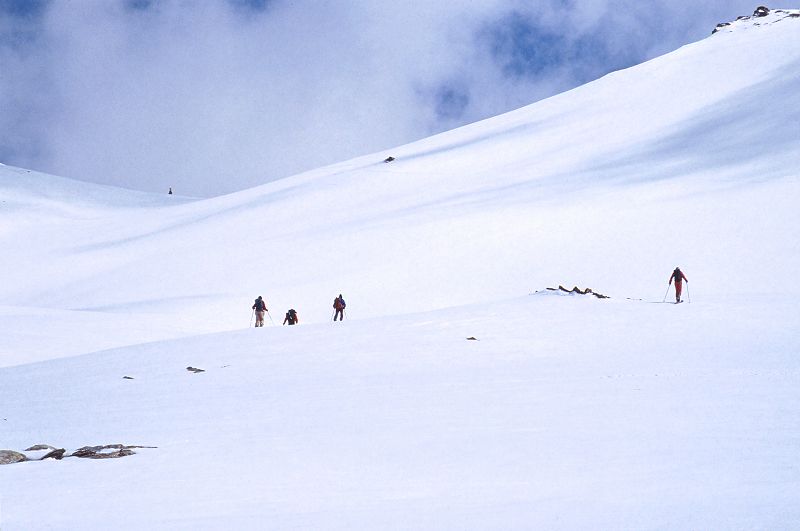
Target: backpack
260,306
291,315
339,303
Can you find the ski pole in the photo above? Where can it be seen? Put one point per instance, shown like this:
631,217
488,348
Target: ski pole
270,318
251,318
666,293
687,292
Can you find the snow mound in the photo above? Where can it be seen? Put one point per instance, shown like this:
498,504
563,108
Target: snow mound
761,16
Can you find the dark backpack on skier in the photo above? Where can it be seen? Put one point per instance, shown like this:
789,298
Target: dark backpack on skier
259,306
291,317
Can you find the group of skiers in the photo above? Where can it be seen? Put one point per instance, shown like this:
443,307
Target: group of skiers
260,308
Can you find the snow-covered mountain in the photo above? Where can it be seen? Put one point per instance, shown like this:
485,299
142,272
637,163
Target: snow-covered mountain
565,411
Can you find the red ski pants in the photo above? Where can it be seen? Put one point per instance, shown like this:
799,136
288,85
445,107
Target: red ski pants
678,290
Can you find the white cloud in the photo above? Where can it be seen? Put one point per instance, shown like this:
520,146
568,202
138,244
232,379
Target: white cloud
209,98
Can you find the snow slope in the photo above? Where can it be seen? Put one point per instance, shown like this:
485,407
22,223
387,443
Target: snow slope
566,412
558,416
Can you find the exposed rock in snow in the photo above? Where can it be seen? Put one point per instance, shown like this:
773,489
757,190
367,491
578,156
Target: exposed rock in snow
57,454
720,26
37,447
40,452
576,289
761,16
9,456
108,451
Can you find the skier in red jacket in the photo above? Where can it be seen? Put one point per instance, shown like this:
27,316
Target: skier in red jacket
679,277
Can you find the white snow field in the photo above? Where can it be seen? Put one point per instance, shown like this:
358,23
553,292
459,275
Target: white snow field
565,412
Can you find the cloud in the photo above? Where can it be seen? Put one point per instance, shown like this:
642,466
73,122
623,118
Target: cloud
212,97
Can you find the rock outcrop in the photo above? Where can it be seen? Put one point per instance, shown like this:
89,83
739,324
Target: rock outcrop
107,451
10,456
762,16
37,447
720,26
576,289
55,453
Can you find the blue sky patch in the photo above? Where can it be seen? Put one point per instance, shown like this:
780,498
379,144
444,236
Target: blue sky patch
23,8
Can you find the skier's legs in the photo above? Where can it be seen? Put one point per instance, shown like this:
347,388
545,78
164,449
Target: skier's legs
260,318
678,290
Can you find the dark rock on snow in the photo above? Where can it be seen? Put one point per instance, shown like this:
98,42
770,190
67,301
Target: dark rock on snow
102,452
10,456
194,369
576,289
720,26
761,11
108,451
54,454
37,447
